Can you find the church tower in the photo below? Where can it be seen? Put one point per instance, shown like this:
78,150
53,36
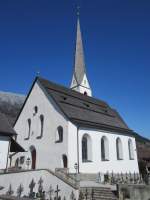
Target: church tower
80,82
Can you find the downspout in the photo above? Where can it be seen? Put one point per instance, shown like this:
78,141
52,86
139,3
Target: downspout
78,149
8,155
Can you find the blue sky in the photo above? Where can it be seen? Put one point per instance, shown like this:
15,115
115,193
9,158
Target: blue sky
39,35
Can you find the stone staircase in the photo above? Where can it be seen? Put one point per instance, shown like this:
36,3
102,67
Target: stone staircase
88,186
97,193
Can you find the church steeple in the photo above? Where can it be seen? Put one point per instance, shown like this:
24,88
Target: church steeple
79,80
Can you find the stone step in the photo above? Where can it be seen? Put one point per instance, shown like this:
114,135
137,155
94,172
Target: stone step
102,197
99,193
97,188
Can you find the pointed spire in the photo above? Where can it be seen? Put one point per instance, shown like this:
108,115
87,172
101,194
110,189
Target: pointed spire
79,65
79,81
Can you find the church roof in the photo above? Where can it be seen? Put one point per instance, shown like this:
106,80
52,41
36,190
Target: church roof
84,110
5,127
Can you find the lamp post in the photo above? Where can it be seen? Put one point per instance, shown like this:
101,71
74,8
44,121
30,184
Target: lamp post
76,167
28,161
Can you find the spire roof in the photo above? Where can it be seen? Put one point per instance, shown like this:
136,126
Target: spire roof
79,65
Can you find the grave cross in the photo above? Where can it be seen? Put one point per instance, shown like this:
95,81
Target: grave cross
86,194
31,186
40,181
57,192
134,178
20,190
72,197
40,188
10,190
50,192
92,194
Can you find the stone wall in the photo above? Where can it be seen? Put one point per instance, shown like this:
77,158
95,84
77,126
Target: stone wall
134,192
24,178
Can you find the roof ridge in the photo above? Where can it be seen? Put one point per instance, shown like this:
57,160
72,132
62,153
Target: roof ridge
73,92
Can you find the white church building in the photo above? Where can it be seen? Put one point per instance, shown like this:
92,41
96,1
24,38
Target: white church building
61,128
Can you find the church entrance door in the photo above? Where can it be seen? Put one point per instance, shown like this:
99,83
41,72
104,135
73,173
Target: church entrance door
33,157
65,161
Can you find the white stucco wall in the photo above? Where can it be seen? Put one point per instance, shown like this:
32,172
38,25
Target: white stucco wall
25,178
72,147
84,87
97,165
4,147
48,153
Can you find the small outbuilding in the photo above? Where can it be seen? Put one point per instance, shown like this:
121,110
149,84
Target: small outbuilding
7,142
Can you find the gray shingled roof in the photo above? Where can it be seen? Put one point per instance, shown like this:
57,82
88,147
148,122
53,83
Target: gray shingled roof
84,110
5,127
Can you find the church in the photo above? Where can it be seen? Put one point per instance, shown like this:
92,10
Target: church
68,129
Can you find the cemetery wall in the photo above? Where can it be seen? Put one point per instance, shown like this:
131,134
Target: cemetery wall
25,178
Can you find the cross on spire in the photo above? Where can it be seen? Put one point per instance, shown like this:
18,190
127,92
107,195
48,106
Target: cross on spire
78,10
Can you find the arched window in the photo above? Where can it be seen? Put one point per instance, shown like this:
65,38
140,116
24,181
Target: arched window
104,149
59,134
86,148
35,110
85,93
131,151
28,129
41,126
119,149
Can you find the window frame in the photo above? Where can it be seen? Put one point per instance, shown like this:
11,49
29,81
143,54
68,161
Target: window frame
29,128
119,149
130,149
59,134
88,148
104,149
